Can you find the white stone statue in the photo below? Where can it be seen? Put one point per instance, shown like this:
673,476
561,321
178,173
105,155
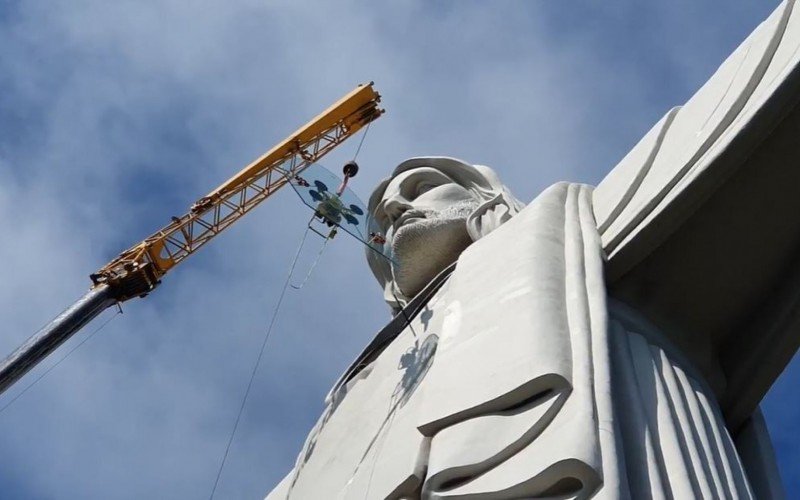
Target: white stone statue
607,343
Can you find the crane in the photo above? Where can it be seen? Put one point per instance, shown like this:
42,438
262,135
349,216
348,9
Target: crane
138,270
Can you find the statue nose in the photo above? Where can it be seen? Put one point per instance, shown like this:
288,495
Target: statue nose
395,207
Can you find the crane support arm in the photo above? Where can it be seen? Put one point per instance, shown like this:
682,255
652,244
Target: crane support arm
139,269
136,271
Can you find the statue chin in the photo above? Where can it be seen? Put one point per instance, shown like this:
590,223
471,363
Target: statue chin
424,248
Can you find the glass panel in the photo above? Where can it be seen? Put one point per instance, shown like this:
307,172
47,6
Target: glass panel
318,187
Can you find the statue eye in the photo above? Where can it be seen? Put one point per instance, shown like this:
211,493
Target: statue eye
424,187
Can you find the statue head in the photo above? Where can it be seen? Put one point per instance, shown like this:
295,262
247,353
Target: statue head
429,211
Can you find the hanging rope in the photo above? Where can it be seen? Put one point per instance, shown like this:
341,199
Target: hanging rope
313,265
269,329
405,317
258,361
361,142
52,367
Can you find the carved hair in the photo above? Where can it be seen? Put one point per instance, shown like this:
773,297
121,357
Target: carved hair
497,205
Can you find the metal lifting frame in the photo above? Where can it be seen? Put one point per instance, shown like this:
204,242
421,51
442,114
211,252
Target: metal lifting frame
139,269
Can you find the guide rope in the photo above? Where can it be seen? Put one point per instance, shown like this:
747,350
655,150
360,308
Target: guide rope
258,362
286,285
313,266
405,317
361,142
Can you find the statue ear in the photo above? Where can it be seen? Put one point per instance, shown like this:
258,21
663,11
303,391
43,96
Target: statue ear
489,216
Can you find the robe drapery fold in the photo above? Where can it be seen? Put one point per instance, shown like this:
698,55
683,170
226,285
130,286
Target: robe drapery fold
512,382
527,313
675,443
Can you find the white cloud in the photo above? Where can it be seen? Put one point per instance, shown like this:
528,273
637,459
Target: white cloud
116,115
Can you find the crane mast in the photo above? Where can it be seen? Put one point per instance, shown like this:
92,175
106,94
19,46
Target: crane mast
138,270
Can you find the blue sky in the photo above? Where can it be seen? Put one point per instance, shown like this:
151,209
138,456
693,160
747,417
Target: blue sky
116,115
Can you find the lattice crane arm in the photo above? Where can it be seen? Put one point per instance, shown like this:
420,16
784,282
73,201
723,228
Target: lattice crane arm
139,269
136,271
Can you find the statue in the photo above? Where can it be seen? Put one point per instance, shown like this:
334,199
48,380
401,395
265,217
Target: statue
609,342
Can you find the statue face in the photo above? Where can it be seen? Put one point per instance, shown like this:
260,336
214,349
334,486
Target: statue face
429,211
423,213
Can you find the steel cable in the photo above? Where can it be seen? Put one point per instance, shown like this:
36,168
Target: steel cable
258,362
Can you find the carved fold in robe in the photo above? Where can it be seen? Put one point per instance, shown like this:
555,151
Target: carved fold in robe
511,388
511,382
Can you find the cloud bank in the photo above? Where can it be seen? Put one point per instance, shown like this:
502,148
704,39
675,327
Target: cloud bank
116,115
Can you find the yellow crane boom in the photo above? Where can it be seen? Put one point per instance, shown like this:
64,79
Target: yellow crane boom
136,271
139,269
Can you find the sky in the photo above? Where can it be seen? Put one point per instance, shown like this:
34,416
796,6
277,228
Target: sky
115,116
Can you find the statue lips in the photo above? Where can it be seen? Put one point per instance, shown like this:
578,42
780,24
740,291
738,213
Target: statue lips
409,218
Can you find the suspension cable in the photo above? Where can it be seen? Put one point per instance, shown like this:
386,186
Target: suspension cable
313,266
361,142
258,361
269,330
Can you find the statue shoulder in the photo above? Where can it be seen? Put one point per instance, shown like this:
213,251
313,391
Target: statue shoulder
695,220
694,148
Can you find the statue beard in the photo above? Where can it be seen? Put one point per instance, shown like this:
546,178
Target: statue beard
423,248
